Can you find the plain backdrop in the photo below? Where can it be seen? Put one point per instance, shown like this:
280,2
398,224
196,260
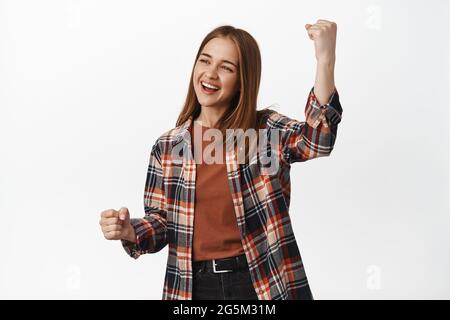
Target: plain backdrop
86,88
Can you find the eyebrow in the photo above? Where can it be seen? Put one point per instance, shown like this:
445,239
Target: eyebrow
226,61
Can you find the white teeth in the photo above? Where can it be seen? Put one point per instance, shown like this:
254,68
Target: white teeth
209,85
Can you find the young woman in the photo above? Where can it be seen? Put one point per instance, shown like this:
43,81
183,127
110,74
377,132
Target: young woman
226,222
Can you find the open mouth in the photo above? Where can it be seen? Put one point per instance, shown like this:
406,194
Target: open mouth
209,88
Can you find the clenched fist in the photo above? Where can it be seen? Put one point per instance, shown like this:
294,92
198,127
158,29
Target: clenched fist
323,33
116,225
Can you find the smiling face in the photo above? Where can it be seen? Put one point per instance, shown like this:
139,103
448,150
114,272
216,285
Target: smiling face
217,65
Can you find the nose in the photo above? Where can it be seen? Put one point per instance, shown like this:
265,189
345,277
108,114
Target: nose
211,72
211,75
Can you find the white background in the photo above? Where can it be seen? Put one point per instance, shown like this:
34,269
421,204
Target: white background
86,87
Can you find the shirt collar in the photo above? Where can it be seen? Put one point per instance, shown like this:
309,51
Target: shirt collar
183,131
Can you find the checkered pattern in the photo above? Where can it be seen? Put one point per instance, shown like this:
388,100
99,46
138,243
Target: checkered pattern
261,203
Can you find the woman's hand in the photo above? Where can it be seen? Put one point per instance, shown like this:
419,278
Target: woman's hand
116,225
323,33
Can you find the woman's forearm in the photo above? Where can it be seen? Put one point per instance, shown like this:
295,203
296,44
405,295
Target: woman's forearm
324,84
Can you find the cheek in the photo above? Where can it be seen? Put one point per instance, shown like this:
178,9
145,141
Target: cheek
231,84
195,78
195,74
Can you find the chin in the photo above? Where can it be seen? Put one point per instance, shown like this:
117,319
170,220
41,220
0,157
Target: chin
205,101
206,104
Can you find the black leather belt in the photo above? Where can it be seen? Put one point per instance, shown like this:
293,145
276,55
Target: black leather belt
228,264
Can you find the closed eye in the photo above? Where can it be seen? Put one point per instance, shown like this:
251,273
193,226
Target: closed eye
224,67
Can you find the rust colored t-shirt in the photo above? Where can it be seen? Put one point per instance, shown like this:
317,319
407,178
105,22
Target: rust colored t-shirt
216,233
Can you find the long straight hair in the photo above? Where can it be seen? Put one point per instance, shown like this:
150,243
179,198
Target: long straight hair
241,113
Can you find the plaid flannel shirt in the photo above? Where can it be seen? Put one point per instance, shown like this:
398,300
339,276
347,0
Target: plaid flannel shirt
261,203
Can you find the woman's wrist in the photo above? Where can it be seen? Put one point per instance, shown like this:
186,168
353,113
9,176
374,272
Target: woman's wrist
130,234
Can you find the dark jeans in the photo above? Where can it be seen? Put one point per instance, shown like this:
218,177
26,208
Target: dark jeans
236,285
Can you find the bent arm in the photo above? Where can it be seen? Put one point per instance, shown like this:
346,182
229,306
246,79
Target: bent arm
151,230
313,138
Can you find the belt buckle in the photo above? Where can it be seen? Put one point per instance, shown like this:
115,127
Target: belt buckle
219,271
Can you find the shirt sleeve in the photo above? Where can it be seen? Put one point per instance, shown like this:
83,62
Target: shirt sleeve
313,138
151,230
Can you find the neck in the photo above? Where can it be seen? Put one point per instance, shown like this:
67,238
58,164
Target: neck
209,116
